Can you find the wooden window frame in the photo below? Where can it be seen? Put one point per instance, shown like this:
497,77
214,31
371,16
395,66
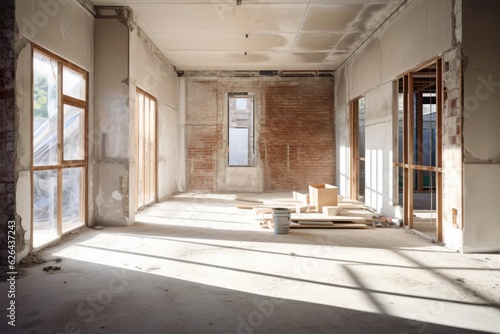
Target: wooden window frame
139,207
61,164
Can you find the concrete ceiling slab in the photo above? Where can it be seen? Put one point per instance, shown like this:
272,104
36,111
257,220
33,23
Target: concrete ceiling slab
283,34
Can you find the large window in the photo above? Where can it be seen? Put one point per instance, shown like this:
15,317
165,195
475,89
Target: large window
59,147
241,130
146,149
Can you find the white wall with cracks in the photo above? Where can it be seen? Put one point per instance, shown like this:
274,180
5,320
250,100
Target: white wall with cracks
481,120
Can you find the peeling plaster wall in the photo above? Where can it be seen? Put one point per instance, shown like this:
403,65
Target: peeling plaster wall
421,30
481,45
111,137
9,176
23,145
156,78
65,28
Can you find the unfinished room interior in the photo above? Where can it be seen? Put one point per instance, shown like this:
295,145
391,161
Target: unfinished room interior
250,166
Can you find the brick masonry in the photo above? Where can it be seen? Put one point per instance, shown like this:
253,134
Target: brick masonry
203,133
452,138
296,139
7,122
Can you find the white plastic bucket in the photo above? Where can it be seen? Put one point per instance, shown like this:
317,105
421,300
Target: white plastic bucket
281,219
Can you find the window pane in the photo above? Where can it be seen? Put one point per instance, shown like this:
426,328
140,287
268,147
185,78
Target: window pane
241,131
73,200
152,150
45,115
361,127
74,133
146,149
140,153
73,84
400,116
44,207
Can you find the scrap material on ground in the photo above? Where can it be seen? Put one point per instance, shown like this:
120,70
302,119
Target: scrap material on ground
352,214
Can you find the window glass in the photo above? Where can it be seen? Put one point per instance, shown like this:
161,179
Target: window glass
241,131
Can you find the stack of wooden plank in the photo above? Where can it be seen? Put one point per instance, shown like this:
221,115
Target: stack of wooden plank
353,214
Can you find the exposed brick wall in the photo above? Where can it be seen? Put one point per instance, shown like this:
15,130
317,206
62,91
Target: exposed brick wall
7,121
203,136
202,157
297,139
452,138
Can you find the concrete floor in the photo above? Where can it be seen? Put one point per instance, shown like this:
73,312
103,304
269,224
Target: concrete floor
197,264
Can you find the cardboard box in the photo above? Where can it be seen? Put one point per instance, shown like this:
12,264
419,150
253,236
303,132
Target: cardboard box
323,194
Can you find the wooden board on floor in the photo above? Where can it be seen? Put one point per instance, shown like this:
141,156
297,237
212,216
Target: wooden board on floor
351,206
361,213
335,226
324,218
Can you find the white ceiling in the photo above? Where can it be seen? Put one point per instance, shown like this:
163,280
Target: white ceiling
304,35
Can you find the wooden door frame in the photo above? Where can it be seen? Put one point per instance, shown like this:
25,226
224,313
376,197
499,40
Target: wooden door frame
408,164
354,143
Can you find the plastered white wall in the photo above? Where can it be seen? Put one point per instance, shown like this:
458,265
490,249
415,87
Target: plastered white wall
168,151
378,155
342,120
111,132
481,121
63,27
421,31
482,195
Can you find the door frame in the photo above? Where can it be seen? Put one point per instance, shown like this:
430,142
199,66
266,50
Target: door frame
408,165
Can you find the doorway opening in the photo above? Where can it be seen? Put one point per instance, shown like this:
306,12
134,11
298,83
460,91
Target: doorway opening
418,158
